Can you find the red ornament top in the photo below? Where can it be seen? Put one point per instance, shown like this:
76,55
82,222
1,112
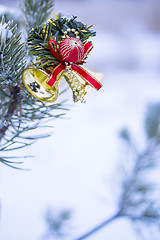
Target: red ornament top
71,49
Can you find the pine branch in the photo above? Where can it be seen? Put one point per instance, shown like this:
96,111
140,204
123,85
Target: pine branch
139,198
99,227
35,12
8,15
15,100
12,56
20,113
11,50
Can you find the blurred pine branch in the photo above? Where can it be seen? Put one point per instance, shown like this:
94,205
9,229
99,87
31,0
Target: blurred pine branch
35,12
139,199
57,224
139,186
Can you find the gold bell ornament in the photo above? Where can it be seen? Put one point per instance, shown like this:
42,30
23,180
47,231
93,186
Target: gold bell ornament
35,81
61,48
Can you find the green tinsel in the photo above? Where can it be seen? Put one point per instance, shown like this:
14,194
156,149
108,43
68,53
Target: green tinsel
54,29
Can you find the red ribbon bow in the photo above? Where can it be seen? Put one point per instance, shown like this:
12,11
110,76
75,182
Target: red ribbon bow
59,69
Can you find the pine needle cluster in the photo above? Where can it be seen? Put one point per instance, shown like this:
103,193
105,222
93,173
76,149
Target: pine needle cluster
35,12
21,114
12,55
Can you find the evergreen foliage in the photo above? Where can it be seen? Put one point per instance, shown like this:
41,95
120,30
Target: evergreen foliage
54,29
12,55
20,113
35,12
8,16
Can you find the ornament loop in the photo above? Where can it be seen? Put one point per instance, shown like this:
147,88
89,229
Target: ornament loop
70,30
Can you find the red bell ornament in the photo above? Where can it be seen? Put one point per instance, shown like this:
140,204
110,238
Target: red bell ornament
71,49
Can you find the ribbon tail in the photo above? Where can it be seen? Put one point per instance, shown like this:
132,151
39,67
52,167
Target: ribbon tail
55,74
91,80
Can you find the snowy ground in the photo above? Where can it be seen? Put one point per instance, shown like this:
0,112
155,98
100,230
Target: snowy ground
74,168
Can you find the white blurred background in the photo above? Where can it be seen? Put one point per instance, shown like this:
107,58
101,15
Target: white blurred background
76,167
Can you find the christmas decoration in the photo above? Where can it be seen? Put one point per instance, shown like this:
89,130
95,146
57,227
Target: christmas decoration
61,48
71,50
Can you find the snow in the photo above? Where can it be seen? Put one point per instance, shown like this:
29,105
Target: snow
75,168
5,32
